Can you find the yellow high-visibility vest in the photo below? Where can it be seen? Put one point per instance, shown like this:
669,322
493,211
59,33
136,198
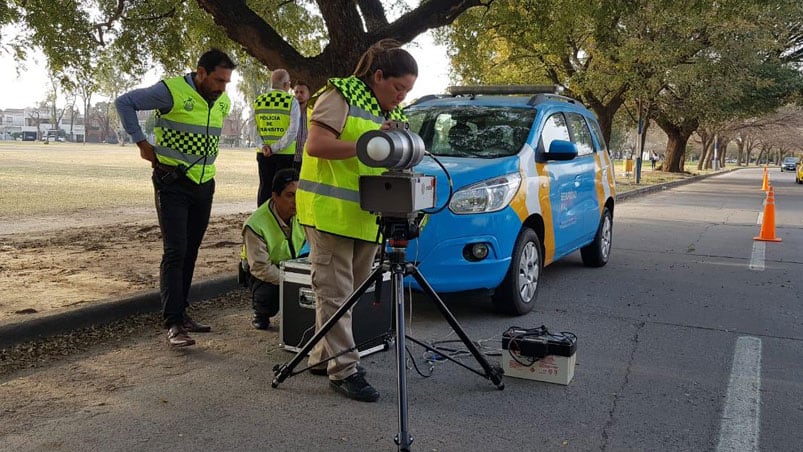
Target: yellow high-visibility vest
265,224
328,197
272,116
189,134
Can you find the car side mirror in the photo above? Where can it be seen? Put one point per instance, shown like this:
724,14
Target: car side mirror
560,150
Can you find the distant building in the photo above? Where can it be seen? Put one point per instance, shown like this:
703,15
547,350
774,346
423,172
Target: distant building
12,120
35,124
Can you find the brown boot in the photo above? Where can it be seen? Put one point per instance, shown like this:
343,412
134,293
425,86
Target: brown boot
177,337
194,327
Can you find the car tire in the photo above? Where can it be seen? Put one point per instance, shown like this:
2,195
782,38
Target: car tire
597,253
519,290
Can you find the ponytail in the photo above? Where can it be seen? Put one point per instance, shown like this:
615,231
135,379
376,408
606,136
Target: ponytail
388,56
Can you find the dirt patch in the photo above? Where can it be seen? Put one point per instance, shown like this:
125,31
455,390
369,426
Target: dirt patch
51,269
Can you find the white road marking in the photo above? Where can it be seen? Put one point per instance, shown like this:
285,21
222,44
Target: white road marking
757,257
760,218
739,429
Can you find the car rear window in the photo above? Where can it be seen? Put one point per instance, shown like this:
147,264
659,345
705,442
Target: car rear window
483,132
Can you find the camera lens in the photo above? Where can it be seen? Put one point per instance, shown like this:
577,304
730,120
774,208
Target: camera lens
397,149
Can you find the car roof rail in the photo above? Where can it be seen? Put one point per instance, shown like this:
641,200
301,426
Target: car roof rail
473,90
545,97
426,98
541,93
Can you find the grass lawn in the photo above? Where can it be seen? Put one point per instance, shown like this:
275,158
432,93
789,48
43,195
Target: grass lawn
46,179
627,181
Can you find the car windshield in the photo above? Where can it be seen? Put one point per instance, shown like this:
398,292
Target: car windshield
483,132
790,160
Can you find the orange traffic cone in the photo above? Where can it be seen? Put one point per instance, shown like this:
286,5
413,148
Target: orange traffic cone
766,182
767,233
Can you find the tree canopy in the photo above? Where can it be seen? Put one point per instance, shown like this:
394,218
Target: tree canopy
690,62
313,40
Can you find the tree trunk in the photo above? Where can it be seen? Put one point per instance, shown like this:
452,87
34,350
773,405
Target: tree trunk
678,136
749,144
705,160
706,155
87,106
352,26
605,111
722,146
744,153
761,154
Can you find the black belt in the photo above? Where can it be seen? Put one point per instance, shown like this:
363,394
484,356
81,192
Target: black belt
164,167
180,176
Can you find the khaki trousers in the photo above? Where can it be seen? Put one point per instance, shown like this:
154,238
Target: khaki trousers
338,266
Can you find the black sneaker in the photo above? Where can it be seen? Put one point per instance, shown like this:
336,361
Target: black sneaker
355,387
321,371
260,322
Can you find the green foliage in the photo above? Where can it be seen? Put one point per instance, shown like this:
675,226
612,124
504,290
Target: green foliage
172,33
312,39
690,61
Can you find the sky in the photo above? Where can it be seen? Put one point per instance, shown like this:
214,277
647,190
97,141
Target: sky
30,86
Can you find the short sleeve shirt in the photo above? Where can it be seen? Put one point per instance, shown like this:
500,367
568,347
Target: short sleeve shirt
331,110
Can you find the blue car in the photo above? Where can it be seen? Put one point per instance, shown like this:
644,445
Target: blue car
789,164
533,182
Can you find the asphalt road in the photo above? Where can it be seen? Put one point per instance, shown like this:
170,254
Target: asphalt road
691,338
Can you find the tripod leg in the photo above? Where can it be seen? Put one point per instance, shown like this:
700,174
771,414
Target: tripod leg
281,372
492,373
403,439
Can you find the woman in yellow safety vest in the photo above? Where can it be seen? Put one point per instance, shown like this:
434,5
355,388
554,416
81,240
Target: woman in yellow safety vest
343,237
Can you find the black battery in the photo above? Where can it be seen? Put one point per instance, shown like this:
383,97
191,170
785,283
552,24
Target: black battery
538,342
372,323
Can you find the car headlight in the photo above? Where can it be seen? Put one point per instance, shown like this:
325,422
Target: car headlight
486,196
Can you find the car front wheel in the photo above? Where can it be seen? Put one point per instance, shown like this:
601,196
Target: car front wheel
519,290
596,253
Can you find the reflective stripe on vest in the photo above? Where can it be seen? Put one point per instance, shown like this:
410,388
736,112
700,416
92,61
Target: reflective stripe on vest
272,116
264,223
189,134
328,190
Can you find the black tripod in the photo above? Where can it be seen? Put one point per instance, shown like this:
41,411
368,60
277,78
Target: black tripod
397,232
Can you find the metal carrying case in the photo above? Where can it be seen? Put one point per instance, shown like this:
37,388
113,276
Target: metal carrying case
370,321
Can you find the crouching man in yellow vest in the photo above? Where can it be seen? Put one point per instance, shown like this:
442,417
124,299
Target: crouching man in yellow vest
271,235
343,238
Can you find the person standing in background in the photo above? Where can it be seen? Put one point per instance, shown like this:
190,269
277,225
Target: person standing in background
277,116
302,94
190,110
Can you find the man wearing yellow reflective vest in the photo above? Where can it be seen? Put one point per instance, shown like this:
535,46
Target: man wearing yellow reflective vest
271,235
190,110
277,115
342,237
